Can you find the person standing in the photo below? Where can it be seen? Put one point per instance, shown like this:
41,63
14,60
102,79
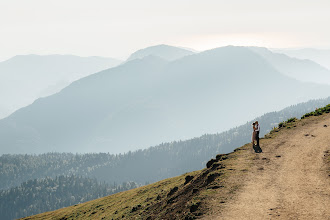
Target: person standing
253,133
257,129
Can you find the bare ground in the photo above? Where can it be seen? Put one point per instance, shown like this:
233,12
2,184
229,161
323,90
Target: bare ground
288,180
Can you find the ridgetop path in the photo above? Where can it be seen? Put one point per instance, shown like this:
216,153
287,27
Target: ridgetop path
288,179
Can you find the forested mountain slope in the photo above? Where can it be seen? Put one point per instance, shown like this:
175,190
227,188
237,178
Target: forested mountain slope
142,166
47,194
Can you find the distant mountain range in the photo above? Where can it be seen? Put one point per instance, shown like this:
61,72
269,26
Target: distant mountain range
322,57
151,100
25,78
303,70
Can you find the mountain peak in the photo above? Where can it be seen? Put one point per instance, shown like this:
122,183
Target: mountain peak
163,51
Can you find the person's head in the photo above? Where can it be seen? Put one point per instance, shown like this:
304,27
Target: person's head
256,122
253,123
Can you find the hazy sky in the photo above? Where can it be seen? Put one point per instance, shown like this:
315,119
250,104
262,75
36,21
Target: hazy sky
118,28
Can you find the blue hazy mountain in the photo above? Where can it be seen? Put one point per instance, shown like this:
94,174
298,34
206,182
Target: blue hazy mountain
320,56
148,101
163,51
25,78
303,70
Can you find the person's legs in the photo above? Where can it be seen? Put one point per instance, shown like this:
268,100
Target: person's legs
253,138
257,137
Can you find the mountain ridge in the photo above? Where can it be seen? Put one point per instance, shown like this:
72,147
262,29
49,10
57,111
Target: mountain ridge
28,77
185,97
163,51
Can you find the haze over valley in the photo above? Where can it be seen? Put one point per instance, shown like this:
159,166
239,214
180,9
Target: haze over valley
25,78
164,110
150,100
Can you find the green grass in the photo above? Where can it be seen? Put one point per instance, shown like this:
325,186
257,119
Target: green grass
317,112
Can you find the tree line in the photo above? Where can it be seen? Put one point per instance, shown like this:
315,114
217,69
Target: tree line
47,194
142,166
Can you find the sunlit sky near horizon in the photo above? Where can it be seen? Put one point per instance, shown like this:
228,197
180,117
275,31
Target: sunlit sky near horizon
118,28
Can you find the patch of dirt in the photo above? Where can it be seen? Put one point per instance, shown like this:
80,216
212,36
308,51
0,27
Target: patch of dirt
294,183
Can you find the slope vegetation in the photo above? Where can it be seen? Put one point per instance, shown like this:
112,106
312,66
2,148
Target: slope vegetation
289,179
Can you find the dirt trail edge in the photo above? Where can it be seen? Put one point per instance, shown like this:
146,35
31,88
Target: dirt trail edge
288,180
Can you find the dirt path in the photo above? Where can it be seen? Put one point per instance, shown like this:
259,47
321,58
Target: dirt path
288,180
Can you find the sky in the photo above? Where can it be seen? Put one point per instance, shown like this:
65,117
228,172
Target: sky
118,28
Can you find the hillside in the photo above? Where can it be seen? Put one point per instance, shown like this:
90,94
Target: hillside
115,110
288,180
25,78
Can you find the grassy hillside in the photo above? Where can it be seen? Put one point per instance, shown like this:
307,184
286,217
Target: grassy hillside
190,195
